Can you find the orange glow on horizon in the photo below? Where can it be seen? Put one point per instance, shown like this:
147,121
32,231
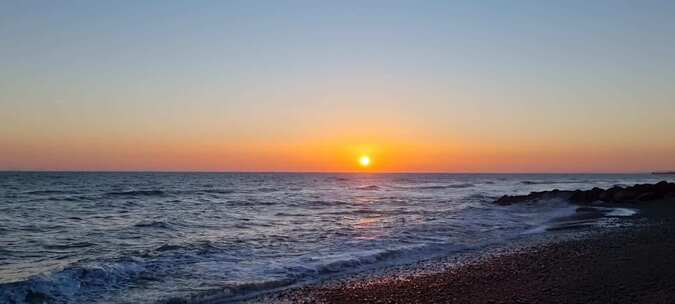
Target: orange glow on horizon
386,153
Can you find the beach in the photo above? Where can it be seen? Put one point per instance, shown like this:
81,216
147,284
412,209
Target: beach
622,265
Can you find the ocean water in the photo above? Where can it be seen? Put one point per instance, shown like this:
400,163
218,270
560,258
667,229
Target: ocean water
160,237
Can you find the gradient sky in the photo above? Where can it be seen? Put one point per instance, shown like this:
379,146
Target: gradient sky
475,86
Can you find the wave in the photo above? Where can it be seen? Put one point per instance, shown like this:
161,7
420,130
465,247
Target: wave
450,186
369,187
321,268
83,283
69,246
289,214
217,191
202,191
77,198
89,282
356,261
164,193
154,224
481,197
72,284
199,247
229,292
46,192
528,182
3,251
137,193
168,247
328,202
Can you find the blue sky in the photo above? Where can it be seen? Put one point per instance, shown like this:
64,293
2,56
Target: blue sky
549,79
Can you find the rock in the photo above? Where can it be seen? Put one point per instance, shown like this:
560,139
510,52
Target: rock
508,200
608,195
624,195
594,194
664,188
616,194
587,196
647,196
534,196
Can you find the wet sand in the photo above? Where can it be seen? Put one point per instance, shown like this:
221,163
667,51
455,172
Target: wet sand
624,265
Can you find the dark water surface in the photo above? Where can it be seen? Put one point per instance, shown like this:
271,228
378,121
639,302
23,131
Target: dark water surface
149,237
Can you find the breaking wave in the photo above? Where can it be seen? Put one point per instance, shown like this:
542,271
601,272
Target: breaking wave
71,284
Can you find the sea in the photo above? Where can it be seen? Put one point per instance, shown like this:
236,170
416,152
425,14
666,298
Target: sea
87,237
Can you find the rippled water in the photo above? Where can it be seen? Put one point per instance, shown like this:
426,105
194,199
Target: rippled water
149,237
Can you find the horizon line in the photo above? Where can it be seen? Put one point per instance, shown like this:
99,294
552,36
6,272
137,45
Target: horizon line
321,172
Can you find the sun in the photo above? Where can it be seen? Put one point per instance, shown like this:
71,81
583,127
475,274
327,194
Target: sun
364,161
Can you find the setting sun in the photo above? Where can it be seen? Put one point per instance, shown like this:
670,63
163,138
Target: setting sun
364,161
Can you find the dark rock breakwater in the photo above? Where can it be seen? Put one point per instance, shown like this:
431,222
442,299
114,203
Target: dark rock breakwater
633,194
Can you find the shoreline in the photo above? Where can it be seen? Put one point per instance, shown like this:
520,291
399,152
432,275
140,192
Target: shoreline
618,265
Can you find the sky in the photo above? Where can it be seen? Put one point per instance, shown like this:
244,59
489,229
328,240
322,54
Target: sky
418,86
